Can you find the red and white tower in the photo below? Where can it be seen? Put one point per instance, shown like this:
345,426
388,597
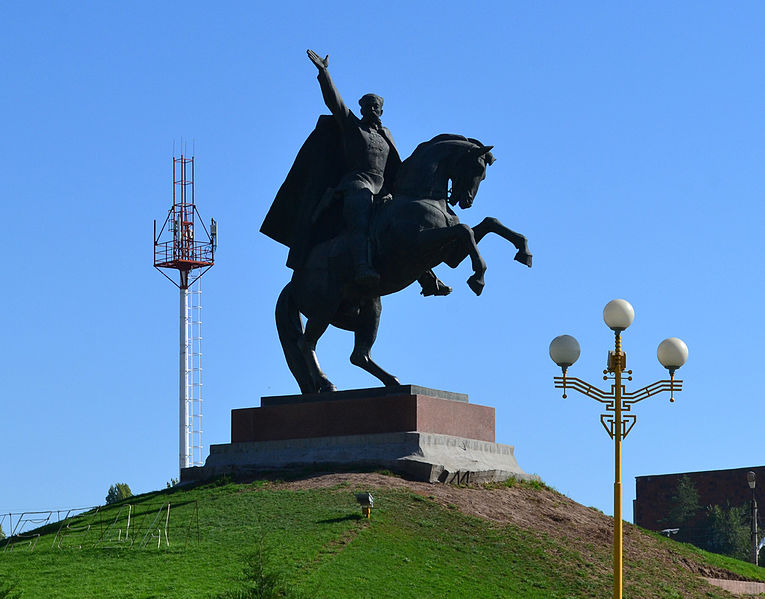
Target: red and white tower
188,246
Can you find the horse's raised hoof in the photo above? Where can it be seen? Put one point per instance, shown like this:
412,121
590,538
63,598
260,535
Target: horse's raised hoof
476,284
438,288
523,258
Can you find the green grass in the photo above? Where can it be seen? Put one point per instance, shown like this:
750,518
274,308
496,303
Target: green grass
745,569
319,546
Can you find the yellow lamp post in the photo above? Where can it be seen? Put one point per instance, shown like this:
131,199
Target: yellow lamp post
619,418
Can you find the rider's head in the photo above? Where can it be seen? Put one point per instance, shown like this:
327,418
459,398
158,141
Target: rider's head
371,107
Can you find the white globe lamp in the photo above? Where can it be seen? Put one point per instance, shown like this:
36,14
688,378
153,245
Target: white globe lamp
672,353
618,315
564,351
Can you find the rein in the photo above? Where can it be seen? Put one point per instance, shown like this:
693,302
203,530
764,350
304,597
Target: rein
441,205
428,194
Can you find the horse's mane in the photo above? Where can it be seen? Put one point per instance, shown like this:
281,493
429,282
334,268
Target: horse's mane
422,163
424,146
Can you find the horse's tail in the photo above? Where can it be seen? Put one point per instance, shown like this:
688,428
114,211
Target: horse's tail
290,329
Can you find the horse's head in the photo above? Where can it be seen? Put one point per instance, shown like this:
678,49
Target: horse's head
469,171
445,158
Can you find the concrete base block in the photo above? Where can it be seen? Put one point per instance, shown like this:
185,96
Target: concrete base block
418,455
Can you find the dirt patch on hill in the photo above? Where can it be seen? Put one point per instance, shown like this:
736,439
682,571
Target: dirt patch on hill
541,511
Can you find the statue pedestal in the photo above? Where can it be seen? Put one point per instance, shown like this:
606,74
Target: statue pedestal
423,433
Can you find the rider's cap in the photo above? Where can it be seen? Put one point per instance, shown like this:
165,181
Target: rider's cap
366,98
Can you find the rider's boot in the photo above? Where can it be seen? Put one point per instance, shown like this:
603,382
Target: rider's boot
431,285
356,211
363,273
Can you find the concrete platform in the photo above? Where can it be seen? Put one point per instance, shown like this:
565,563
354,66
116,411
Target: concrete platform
425,434
422,456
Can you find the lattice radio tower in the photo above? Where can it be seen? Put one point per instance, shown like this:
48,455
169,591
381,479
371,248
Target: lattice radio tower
191,248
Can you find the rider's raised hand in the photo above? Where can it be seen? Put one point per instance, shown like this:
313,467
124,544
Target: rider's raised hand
321,63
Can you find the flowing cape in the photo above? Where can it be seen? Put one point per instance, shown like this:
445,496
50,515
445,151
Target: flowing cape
319,165
294,216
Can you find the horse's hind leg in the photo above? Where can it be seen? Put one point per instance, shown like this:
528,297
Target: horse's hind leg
493,225
364,337
290,328
314,329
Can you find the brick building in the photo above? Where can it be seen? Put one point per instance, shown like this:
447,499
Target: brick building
653,496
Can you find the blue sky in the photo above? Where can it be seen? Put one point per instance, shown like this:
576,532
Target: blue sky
629,145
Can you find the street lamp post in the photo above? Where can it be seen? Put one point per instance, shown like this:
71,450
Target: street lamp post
618,419
751,478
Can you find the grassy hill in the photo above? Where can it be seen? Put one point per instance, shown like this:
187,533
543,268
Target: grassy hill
306,538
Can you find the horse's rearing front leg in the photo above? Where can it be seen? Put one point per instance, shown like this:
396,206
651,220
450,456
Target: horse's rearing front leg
493,225
475,281
456,242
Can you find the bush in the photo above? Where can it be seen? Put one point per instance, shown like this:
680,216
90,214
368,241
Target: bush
261,581
2,534
684,504
118,492
728,530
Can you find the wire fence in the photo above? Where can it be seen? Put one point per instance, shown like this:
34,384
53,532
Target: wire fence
127,526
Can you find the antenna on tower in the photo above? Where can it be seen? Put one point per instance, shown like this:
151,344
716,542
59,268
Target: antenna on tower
184,244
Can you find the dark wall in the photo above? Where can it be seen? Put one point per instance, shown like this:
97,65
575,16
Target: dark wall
653,495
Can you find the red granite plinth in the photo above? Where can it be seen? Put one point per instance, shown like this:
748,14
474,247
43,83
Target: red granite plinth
400,410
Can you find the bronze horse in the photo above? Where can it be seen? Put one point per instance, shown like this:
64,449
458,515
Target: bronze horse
411,233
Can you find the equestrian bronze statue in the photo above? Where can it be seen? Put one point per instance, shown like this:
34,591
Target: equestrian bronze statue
361,224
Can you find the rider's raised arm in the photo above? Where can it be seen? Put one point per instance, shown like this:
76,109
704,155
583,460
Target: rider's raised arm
332,97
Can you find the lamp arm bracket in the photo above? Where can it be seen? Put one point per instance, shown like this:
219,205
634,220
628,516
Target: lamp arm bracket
652,389
583,387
